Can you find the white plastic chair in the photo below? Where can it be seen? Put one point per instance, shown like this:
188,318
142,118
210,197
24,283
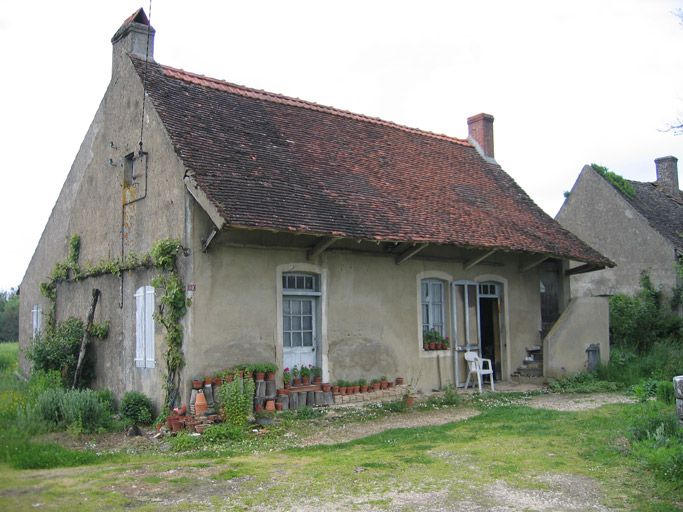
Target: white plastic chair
479,366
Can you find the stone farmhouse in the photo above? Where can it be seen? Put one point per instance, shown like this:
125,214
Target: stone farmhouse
639,227
310,235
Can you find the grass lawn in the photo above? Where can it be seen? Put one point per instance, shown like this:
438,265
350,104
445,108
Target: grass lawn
508,454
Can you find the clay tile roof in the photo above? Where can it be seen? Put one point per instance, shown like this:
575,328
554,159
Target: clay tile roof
267,161
663,211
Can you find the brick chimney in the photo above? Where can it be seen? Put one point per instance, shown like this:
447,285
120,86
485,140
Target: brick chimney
132,37
667,174
480,128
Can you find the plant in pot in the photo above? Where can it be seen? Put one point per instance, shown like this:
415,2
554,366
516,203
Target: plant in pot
305,374
356,386
258,371
375,384
384,382
270,369
317,374
446,343
287,377
296,381
363,385
197,382
342,386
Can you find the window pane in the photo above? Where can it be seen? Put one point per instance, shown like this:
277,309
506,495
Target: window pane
287,326
300,282
309,282
296,323
308,323
287,340
436,292
308,339
306,307
296,339
425,291
425,314
296,307
286,306
436,313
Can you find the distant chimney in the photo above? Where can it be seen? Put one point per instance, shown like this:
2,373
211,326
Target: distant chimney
480,128
135,36
667,174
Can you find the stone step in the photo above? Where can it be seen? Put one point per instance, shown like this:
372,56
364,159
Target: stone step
529,372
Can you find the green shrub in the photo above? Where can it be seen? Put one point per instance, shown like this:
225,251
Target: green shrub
23,454
49,407
84,412
655,424
397,406
57,349
41,381
184,442
644,390
136,408
223,432
236,399
107,398
582,382
665,392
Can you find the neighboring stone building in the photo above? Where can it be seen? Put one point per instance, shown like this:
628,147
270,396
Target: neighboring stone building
639,226
312,236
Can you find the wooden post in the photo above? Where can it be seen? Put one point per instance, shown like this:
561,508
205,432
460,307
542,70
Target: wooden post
86,335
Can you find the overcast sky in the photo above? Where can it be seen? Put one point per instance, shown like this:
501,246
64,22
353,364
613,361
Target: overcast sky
568,83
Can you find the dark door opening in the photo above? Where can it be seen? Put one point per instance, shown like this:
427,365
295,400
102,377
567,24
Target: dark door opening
489,311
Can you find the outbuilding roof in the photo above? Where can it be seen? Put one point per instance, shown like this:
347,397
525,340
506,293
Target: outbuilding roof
663,210
267,161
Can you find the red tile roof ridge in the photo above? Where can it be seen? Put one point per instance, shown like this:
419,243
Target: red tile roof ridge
222,85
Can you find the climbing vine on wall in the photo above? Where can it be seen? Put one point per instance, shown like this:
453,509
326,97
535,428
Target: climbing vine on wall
172,303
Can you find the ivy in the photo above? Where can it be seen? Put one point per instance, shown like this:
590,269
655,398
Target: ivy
172,307
616,180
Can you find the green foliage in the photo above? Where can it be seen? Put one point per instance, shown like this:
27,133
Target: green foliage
663,361
397,406
136,408
582,382
79,410
236,399
99,330
184,442
107,399
164,253
57,349
9,316
617,181
450,397
20,453
665,392
223,432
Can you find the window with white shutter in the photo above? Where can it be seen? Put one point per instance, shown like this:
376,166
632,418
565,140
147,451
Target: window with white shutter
36,319
144,327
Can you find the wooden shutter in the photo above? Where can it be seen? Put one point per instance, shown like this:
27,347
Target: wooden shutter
149,327
140,327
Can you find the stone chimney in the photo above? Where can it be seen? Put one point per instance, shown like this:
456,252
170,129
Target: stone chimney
135,36
667,174
480,128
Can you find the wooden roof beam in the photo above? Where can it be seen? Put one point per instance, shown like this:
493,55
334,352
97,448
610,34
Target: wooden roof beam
320,247
533,263
475,261
582,269
406,255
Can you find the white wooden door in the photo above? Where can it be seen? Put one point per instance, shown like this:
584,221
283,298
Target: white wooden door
466,331
299,333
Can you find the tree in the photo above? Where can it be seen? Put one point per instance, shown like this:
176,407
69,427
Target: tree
9,316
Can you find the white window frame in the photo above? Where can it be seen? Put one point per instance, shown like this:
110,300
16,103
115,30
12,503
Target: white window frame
144,327
301,289
36,319
431,304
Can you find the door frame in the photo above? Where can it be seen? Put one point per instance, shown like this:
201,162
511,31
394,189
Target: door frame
503,320
470,345
321,313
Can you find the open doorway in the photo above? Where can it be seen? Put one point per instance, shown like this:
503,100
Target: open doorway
489,324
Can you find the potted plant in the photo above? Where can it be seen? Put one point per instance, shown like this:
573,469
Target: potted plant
399,381
269,369
325,387
197,383
363,385
356,386
287,377
208,380
258,371
305,374
384,383
342,386
296,381
317,374
375,384
446,343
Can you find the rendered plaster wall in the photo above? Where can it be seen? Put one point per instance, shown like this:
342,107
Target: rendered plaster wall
584,322
370,311
601,217
91,205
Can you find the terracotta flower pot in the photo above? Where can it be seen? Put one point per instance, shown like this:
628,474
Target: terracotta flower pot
399,381
278,406
200,404
335,389
305,381
376,386
270,376
342,390
229,378
356,389
208,381
287,385
317,379
270,405
432,346
384,384
410,400
283,391
325,388
259,376
196,384
297,381
258,408
217,381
